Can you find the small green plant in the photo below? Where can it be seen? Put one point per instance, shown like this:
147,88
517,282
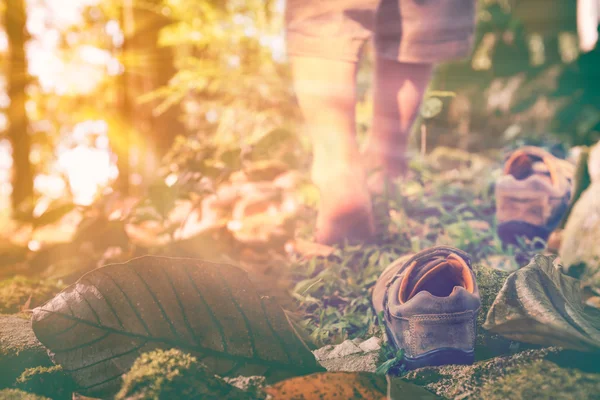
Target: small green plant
394,358
393,365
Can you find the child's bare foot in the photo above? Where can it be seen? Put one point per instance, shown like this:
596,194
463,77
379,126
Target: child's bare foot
345,211
382,168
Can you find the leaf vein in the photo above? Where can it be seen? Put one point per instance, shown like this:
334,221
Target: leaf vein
277,336
108,303
136,348
82,345
89,305
241,311
137,314
210,352
181,308
157,302
100,383
213,317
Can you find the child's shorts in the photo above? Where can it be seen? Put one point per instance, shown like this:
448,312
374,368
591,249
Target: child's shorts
414,31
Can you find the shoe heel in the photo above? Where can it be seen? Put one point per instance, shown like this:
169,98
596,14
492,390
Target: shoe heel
510,231
443,356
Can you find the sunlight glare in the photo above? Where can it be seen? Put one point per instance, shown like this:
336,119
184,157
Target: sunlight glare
88,162
34,245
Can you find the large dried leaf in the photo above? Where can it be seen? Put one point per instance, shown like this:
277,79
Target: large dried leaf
97,327
538,304
347,385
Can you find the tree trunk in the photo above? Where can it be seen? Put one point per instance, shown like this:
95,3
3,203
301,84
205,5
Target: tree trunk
18,123
122,144
153,67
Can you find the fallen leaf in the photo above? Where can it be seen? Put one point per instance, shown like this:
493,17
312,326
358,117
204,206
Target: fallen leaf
97,327
347,385
540,305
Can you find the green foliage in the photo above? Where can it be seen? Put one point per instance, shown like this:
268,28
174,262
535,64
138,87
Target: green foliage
578,120
231,72
393,364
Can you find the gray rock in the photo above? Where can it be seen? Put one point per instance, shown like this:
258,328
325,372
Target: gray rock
350,357
373,344
367,362
253,385
323,352
345,349
19,349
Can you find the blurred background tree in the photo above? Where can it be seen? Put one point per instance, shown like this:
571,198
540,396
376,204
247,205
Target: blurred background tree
17,78
131,92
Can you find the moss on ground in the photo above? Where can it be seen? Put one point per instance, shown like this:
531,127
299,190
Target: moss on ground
19,292
490,281
532,374
173,374
51,382
15,394
543,379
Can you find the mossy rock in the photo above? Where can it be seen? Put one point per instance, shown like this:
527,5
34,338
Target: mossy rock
15,394
17,292
19,349
173,374
51,382
489,281
543,379
499,377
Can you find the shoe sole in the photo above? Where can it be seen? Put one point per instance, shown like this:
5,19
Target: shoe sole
438,357
509,232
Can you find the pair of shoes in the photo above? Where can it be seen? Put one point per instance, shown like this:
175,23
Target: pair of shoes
532,195
430,303
430,300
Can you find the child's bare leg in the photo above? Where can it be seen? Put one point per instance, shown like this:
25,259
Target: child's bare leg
326,92
398,93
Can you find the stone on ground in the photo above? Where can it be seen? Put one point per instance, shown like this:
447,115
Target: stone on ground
350,356
19,349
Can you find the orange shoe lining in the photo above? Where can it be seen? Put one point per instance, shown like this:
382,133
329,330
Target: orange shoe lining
519,163
440,280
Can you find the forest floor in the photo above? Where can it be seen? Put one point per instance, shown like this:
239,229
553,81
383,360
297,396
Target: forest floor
261,218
